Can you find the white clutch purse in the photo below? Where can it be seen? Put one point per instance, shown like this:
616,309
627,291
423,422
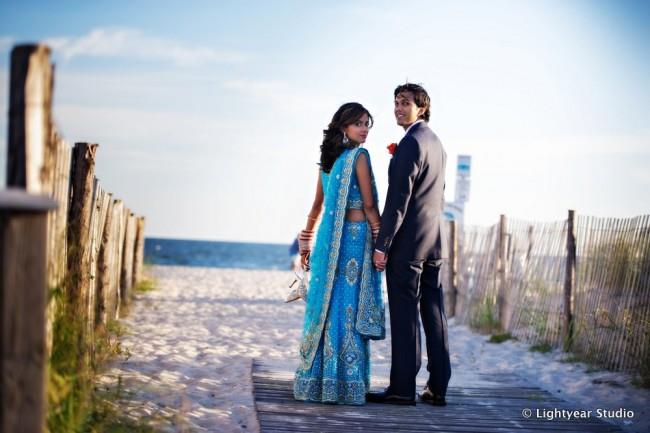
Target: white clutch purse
299,292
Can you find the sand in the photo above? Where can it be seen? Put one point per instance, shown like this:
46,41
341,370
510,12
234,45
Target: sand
192,342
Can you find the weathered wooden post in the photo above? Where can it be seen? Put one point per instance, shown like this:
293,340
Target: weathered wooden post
30,157
23,268
529,251
116,271
30,102
453,267
59,189
105,265
126,278
501,274
569,282
79,245
138,253
24,241
100,214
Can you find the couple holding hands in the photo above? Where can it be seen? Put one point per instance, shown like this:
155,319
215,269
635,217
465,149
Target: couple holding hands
354,243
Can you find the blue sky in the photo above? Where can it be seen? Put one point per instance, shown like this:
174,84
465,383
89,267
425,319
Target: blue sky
209,115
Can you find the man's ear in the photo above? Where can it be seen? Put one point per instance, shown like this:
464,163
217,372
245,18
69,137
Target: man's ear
421,111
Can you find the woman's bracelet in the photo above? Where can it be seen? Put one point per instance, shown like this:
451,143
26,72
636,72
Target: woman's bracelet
374,228
304,241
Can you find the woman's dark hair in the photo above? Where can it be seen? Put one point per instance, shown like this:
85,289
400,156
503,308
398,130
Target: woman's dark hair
420,96
333,144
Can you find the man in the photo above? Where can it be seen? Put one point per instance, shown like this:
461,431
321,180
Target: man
411,247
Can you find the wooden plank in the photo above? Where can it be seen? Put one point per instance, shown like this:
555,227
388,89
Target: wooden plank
495,408
18,199
23,238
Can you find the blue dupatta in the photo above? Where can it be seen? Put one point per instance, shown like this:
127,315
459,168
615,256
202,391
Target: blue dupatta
324,261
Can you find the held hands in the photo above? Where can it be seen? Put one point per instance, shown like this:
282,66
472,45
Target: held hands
379,259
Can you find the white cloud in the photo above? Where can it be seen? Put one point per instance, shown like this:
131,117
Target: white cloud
133,43
287,96
130,130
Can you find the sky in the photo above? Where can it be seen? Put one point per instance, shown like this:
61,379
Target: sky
209,115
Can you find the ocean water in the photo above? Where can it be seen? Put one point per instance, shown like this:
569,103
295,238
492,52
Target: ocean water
216,254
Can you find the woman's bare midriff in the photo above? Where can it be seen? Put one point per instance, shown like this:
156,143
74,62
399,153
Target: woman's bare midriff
355,215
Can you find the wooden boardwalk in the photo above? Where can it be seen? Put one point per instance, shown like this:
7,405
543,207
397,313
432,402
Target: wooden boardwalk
469,409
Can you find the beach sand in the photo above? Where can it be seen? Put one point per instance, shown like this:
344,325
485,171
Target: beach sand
191,344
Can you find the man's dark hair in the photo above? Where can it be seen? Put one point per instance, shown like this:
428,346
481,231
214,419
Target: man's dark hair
420,96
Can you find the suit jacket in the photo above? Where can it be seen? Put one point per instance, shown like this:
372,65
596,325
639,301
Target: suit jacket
411,224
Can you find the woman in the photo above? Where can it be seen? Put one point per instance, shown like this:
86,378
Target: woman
344,304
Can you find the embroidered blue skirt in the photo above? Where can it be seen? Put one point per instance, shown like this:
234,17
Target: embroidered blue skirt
340,372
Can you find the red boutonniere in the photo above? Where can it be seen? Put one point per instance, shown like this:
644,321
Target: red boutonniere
391,148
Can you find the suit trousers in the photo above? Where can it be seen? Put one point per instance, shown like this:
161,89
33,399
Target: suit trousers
414,291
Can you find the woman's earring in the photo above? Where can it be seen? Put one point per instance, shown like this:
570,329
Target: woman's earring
346,140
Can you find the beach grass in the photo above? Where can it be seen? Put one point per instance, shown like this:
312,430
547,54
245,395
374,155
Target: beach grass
501,337
146,285
105,415
543,347
74,404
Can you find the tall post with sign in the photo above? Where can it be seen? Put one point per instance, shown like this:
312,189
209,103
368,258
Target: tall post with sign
456,210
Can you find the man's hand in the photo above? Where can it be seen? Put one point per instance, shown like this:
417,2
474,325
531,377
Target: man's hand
379,260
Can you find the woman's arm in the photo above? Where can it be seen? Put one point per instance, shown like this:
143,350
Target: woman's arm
317,206
307,235
364,177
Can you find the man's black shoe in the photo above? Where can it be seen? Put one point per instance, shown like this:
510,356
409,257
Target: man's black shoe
432,398
387,398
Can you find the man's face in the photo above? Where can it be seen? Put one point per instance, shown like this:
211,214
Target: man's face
406,112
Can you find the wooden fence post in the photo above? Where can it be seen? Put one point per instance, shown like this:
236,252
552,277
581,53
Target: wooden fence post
116,271
79,245
30,101
57,229
529,250
38,160
138,253
453,267
569,281
501,274
100,210
23,268
105,263
126,279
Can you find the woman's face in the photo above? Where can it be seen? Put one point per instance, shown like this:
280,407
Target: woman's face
358,131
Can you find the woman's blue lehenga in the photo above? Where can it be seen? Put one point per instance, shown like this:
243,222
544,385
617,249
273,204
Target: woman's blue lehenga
344,304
